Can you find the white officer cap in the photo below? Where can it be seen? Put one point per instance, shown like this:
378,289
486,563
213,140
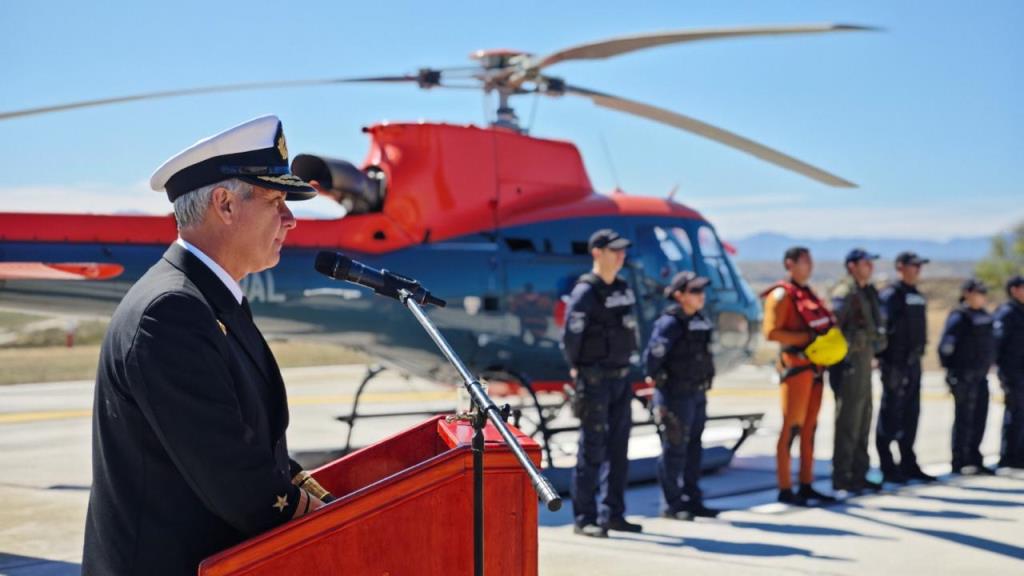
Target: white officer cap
254,151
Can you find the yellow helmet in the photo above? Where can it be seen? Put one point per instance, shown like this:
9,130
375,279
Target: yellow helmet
827,349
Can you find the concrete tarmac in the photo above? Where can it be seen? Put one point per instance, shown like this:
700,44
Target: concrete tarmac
961,525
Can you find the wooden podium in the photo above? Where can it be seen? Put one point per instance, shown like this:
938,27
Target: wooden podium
405,506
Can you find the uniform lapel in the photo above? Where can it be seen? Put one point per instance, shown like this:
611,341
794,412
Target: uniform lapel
236,321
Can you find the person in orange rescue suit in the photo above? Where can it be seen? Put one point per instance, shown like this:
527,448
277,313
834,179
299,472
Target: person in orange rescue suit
794,317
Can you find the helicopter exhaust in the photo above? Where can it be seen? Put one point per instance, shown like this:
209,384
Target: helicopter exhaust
358,191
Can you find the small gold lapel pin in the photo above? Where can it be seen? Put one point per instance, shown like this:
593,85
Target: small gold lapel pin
223,328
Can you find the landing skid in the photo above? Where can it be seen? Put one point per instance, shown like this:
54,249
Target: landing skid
536,417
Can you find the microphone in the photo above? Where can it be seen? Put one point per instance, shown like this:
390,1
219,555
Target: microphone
340,267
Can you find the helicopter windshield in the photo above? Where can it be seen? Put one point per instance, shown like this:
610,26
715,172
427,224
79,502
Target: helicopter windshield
716,265
662,252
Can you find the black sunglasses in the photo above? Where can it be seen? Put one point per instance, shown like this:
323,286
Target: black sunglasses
695,290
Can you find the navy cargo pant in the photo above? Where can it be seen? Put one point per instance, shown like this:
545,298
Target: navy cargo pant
898,414
1011,452
681,416
602,465
970,400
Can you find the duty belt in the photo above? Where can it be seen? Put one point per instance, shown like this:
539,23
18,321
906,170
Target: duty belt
599,372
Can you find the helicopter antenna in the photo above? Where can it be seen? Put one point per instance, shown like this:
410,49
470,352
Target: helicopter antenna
533,112
611,162
485,101
672,192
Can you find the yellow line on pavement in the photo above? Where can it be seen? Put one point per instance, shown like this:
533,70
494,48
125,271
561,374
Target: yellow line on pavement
415,396
368,398
18,417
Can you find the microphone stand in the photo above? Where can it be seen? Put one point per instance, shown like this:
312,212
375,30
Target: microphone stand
485,410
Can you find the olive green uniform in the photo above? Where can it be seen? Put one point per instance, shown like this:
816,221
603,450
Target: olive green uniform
858,313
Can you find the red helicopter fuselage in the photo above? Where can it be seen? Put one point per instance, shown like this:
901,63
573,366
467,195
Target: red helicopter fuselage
492,220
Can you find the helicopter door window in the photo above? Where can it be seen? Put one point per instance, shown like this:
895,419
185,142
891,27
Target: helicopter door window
716,264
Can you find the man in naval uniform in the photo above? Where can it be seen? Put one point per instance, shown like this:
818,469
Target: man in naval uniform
189,452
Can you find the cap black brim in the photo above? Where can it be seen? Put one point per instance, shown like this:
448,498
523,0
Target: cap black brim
295,188
698,282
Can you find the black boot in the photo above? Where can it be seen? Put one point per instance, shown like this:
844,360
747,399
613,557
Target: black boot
920,475
894,477
699,510
787,496
807,492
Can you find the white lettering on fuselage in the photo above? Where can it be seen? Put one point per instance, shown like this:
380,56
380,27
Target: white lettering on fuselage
259,287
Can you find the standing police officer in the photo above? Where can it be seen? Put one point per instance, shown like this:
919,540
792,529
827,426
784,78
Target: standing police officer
598,342
679,363
1009,331
904,310
856,306
967,350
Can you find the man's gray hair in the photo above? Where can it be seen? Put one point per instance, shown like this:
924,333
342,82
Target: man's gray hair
190,208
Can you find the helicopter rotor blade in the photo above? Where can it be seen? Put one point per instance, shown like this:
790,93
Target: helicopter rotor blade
426,78
622,45
711,132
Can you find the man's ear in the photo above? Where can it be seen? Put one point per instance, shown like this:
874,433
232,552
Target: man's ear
224,205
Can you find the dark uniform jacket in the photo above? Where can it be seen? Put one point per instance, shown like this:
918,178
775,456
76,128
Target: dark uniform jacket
968,343
904,310
1009,331
678,355
189,454
600,328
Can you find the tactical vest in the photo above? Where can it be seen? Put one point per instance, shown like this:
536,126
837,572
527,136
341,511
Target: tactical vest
689,364
609,338
975,341
907,323
1010,330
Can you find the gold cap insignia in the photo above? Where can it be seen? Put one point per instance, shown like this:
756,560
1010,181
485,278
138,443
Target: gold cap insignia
282,503
282,146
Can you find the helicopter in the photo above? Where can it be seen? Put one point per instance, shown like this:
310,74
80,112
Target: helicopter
490,218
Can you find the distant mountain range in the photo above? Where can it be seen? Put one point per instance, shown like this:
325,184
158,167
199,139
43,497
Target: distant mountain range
769,246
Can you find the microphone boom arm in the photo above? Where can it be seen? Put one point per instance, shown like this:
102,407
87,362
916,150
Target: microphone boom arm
484,403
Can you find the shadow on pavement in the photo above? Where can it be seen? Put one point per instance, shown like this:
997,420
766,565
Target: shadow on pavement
802,530
1003,491
972,501
758,549
944,514
16,565
956,537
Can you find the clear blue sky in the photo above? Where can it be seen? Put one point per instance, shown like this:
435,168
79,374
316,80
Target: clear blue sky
926,116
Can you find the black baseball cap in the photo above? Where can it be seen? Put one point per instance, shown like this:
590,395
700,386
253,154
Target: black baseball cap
910,259
858,254
684,281
974,285
1014,282
608,238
